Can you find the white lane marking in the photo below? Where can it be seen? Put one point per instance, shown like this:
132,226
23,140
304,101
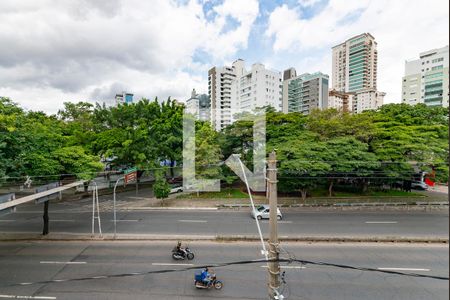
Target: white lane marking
7,220
288,267
193,221
125,220
279,222
381,222
404,269
62,220
168,264
63,262
26,297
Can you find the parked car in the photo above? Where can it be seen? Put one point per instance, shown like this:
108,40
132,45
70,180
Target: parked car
176,188
419,185
263,212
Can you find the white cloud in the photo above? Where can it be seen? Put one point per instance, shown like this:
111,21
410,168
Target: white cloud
78,49
308,3
401,28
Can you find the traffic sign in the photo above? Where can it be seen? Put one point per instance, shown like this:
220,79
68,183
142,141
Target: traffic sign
7,198
130,175
46,188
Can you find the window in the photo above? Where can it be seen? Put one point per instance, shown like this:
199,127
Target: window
437,67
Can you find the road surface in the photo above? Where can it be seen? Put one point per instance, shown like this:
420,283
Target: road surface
296,222
37,261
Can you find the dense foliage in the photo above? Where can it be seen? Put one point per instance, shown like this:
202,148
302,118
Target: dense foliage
326,148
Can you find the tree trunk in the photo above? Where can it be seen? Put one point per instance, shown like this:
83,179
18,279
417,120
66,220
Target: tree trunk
330,188
172,164
365,186
45,230
303,193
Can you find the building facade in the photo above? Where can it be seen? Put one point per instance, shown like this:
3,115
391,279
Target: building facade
199,105
123,98
368,99
305,92
234,89
340,100
426,79
219,92
255,88
354,70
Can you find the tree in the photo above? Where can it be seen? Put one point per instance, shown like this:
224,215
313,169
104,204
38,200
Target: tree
207,153
349,157
161,188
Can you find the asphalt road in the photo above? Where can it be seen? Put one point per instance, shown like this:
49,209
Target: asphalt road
38,261
296,222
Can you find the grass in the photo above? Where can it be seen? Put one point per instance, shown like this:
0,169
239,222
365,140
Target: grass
227,193
389,193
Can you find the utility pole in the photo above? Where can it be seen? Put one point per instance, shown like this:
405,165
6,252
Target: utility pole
274,266
45,230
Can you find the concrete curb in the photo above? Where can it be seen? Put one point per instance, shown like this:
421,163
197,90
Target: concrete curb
168,208
397,205
4,237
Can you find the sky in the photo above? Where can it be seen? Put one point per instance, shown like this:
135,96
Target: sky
79,50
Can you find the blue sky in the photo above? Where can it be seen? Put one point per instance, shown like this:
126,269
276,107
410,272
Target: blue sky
89,50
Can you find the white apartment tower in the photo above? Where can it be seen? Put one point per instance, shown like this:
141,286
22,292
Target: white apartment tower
426,79
255,88
219,91
354,70
234,89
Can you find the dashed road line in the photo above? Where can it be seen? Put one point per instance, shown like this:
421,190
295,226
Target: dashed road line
404,269
64,262
26,297
170,264
288,267
381,222
193,221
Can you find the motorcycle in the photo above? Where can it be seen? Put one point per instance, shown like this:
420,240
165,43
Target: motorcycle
200,284
182,253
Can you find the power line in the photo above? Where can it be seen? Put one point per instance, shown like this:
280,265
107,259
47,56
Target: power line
242,262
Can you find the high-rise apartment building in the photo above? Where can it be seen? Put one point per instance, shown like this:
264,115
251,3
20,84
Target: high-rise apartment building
255,88
234,90
305,92
426,79
124,97
199,105
219,91
354,70
355,64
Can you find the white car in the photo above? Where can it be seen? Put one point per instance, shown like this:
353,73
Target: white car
263,212
176,188
419,185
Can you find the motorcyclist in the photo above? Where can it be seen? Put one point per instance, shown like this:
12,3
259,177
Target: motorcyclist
206,276
178,247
